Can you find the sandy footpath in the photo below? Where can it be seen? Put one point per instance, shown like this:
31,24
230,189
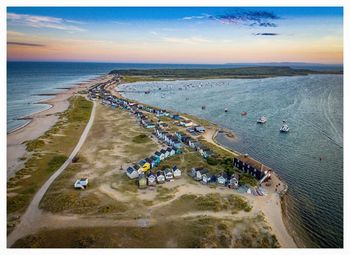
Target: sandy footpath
40,122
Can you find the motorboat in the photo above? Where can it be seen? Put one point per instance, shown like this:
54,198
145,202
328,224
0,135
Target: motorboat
284,128
262,120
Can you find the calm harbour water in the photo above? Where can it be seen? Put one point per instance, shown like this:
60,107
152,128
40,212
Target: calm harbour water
313,108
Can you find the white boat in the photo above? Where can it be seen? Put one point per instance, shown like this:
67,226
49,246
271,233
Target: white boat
284,128
262,120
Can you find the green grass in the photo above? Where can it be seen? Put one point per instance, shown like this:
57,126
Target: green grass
130,79
196,232
207,73
49,153
165,194
141,138
210,202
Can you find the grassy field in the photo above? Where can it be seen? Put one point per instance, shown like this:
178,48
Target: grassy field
206,73
209,202
190,232
48,153
114,141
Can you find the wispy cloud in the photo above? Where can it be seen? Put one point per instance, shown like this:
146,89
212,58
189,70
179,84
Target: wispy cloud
186,40
241,17
250,18
43,22
26,44
203,16
14,33
266,34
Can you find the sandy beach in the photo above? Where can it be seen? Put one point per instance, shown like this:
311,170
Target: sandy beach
39,123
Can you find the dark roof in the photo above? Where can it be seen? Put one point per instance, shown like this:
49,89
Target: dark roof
252,162
162,151
167,170
175,167
130,169
148,160
168,149
150,174
159,172
136,167
203,171
223,174
157,153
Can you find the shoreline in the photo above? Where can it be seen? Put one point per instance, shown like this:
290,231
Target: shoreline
38,123
275,217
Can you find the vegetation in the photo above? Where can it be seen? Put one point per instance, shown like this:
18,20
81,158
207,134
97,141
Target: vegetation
209,202
142,138
200,73
49,152
130,79
190,232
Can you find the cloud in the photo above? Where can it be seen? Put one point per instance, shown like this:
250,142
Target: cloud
196,17
266,34
43,22
186,40
26,44
15,33
244,17
250,18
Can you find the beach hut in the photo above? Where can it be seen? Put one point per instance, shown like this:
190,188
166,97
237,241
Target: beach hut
176,172
151,179
206,178
172,151
222,179
160,177
142,181
168,174
233,182
162,154
159,155
132,173
155,161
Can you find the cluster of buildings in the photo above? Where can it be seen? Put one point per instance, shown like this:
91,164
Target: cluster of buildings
142,170
159,177
222,179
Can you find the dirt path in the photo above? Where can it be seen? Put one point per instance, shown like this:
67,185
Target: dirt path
32,214
39,123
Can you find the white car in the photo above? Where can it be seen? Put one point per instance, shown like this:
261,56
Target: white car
81,183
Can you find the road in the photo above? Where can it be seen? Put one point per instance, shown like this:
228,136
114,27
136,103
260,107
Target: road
32,214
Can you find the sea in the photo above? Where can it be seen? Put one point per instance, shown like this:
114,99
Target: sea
309,157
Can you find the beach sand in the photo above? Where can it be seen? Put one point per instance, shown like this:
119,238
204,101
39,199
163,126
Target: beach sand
39,123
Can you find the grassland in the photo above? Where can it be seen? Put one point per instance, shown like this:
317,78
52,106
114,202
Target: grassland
203,73
115,140
190,232
48,153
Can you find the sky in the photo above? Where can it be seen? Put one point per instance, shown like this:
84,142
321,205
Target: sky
196,35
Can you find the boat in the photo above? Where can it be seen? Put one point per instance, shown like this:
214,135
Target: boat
261,120
244,113
284,128
226,110
203,107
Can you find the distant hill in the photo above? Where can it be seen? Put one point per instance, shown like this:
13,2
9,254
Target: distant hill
205,73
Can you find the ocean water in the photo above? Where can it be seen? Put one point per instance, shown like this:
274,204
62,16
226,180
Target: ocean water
26,79
313,108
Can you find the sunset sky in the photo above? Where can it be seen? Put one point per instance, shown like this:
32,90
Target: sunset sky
176,35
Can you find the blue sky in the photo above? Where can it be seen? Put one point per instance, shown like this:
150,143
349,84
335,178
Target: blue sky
176,34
